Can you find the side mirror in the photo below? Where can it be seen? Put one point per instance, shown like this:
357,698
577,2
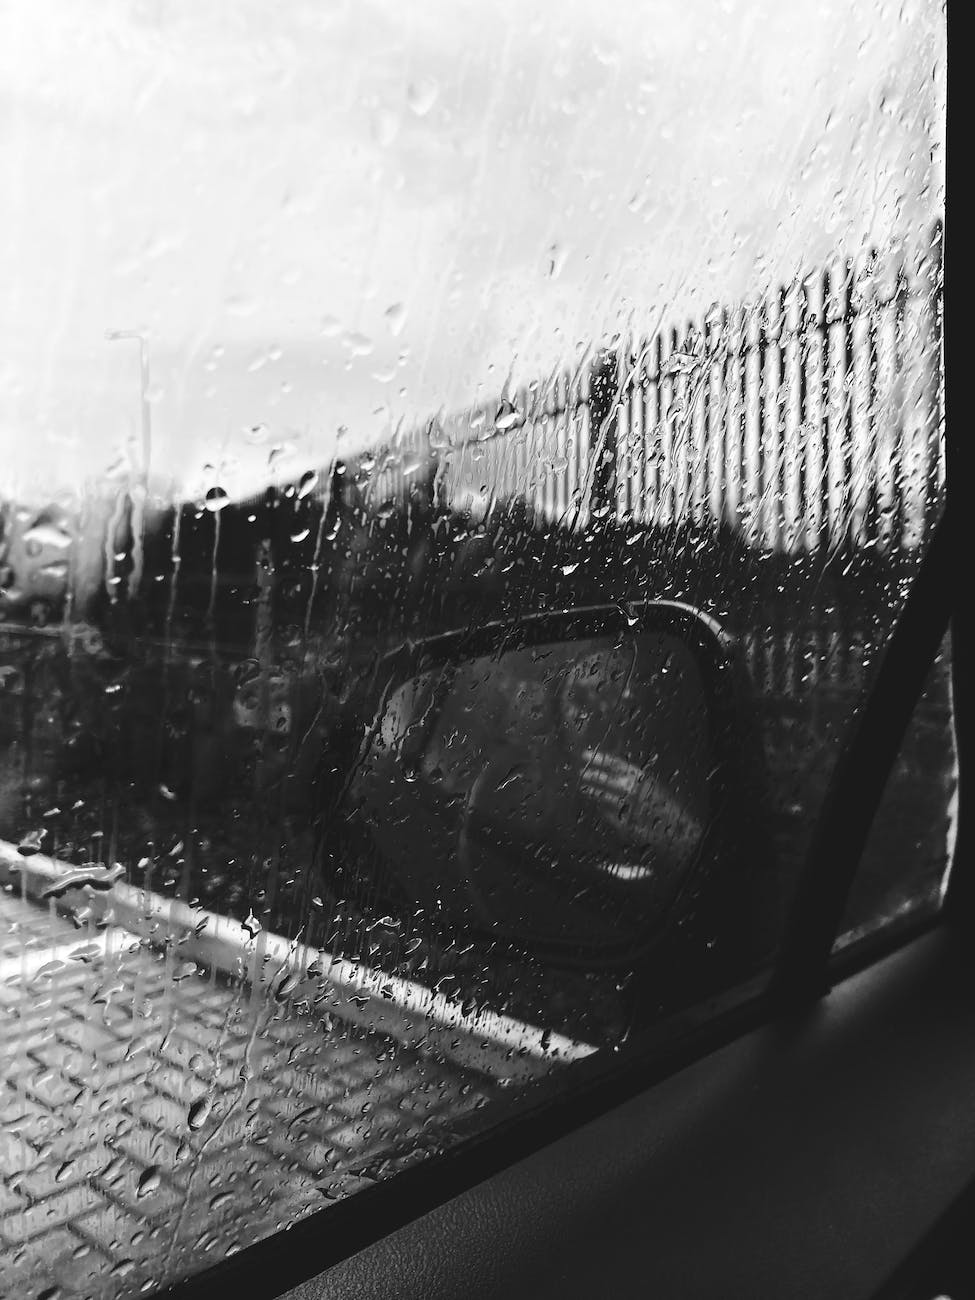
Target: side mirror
574,786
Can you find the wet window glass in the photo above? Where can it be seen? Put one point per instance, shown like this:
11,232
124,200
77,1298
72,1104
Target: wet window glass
904,868
557,796
459,471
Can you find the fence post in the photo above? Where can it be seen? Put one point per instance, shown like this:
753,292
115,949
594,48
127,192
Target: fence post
935,288
603,382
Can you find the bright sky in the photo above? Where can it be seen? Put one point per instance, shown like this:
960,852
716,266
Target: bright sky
325,214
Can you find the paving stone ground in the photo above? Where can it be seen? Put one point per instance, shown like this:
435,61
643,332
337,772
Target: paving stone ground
153,1119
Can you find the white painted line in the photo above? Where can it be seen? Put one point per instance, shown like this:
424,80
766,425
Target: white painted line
495,1044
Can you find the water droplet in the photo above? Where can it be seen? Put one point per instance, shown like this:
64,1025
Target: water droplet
93,876
113,1168
256,434
247,671
422,95
508,417
385,127
31,843
680,363
555,261
279,453
395,317
357,344
569,568
307,484
149,1181
216,499
88,952
287,986
511,776
199,1112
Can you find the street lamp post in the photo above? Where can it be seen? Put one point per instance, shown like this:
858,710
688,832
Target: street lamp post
139,490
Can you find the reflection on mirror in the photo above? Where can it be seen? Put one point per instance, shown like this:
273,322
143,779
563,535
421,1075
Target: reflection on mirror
553,794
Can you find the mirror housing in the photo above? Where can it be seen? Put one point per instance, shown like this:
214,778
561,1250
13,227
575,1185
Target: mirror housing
717,914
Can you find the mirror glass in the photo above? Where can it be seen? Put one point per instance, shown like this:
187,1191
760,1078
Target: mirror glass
554,794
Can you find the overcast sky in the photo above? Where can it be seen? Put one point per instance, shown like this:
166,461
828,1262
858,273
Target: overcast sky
326,214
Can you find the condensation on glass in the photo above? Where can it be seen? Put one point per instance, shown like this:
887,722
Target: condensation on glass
331,331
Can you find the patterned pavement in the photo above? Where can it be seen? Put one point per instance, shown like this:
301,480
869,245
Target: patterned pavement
154,1118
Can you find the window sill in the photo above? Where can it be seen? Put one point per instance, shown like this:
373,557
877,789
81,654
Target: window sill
804,1159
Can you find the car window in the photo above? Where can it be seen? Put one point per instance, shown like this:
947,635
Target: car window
459,472
919,808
